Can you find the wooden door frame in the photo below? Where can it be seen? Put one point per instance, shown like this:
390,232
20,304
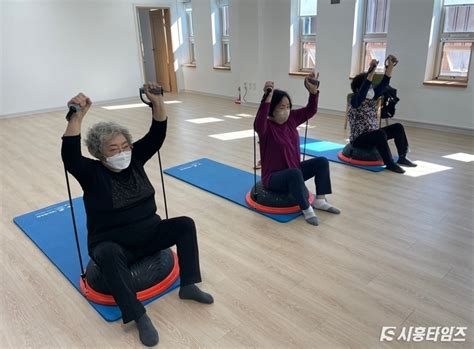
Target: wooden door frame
173,79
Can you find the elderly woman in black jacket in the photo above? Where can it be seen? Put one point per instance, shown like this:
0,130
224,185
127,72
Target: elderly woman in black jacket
121,211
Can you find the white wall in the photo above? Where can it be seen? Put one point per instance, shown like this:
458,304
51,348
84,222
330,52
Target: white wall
408,38
261,52
2,66
334,40
54,49
203,77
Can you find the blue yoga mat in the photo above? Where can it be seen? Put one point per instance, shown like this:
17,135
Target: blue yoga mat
225,181
52,231
317,147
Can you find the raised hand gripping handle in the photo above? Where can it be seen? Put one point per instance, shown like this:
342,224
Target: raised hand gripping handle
391,58
314,81
73,108
153,90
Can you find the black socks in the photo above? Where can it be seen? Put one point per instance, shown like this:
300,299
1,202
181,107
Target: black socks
146,331
395,168
194,293
403,160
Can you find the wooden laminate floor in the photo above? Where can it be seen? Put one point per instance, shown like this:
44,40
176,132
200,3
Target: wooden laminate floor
400,254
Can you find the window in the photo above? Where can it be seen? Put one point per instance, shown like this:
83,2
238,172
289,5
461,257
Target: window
307,22
375,33
189,19
220,25
456,40
224,15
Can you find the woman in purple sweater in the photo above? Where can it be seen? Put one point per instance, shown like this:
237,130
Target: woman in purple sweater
282,171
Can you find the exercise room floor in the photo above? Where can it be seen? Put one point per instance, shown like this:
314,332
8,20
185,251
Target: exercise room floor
400,254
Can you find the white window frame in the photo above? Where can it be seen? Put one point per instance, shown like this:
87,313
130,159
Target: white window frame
303,38
373,37
192,46
452,37
225,38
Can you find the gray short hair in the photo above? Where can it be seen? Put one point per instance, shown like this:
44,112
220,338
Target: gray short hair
101,133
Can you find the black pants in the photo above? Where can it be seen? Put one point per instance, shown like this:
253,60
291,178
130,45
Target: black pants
114,259
292,180
379,139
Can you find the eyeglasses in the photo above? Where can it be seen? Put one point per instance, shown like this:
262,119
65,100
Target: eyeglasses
115,149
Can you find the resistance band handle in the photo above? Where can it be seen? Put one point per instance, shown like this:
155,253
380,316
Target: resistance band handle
155,91
391,58
314,81
267,92
73,108
372,68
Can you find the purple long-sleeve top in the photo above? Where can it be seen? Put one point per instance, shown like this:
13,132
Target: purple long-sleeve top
280,144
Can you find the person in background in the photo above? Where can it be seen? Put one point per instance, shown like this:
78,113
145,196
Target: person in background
364,125
282,170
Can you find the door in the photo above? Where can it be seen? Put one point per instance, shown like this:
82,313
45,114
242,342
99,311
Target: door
163,49
146,41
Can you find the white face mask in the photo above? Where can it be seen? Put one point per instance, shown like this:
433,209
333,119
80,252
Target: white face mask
370,94
281,117
120,161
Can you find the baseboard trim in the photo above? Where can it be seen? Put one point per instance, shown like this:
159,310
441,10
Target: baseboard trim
200,93
331,112
195,92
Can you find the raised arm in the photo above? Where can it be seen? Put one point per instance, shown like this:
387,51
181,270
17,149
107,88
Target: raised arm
260,123
148,145
359,96
74,123
159,111
380,88
301,115
76,164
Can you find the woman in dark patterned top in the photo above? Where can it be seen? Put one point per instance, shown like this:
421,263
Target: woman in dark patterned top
362,114
121,211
